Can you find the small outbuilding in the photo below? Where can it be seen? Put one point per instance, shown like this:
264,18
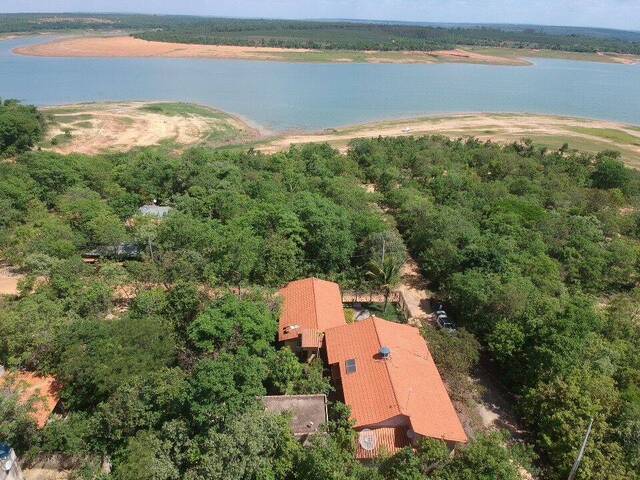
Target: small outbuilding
123,251
308,412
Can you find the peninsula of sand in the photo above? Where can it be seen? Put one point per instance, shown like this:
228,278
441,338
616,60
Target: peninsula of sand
126,46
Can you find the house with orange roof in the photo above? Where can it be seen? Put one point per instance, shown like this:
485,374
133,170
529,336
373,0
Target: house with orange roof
310,307
389,380
42,391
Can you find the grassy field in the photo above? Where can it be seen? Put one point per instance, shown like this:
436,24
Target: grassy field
359,56
618,136
178,109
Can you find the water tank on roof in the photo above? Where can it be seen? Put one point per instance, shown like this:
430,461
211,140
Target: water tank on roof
385,353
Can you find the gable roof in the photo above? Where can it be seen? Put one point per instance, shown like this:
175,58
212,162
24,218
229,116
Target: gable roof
28,385
309,304
406,384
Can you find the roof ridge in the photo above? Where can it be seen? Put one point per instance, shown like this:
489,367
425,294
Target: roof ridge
315,300
386,368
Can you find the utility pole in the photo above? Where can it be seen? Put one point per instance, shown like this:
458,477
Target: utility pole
578,461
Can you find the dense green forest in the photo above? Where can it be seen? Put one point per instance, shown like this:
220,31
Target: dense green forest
345,35
160,359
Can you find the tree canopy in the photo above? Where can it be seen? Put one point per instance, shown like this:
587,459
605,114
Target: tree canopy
162,354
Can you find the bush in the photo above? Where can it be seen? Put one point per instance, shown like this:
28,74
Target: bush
21,126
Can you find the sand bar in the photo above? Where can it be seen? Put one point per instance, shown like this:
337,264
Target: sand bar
125,46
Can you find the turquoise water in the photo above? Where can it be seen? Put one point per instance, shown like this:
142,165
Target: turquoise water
287,96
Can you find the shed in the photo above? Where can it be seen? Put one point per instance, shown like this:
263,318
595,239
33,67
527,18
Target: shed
309,412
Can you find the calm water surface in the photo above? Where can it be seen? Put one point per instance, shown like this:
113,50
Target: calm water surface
285,96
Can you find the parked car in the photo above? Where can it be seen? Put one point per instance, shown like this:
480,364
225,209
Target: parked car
445,323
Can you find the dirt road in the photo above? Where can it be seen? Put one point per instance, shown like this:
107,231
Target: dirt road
491,407
9,279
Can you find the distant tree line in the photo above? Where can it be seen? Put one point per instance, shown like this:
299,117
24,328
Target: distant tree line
385,37
331,35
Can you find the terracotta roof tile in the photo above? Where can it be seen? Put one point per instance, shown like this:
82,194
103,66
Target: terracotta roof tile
45,389
407,383
310,304
311,338
386,440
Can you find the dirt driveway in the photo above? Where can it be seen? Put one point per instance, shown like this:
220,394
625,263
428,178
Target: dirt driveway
9,279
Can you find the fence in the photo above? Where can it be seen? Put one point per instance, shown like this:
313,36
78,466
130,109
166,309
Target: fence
368,297
404,306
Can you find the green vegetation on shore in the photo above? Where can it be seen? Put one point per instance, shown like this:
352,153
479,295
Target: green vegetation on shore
331,35
527,52
376,36
182,109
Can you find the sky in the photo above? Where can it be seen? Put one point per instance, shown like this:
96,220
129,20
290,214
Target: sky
624,14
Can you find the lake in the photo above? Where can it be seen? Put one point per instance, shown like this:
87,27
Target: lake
297,96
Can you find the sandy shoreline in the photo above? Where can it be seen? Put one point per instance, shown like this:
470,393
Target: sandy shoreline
132,47
125,46
553,131
94,128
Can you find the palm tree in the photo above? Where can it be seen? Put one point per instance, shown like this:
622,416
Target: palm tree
385,276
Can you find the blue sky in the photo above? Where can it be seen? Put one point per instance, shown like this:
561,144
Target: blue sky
604,13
